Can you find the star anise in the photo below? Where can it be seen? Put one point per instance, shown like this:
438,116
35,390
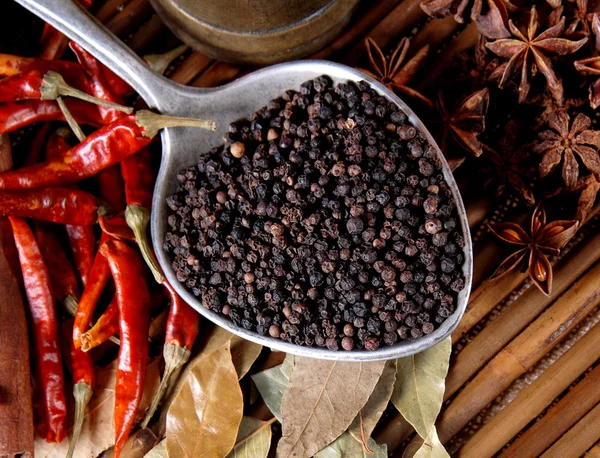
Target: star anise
587,187
508,165
541,241
529,51
577,13
591,65
490,16
465,122
394,72
562,143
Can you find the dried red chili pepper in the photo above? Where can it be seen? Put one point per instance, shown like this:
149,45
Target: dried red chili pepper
134,320
105,327
81,238
110,182
183,325
139,185
50,85
97,280
56,205
116,227
45,331
54,42
16,115
71,71
38,145
105,147
62,274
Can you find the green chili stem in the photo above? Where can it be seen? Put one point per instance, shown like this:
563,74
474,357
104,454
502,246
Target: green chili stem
137,218
82,393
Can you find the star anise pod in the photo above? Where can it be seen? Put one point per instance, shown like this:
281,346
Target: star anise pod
564,143
490,16
465,122
591,65
396,73
577,14
529,51
508,165
587,187
541,241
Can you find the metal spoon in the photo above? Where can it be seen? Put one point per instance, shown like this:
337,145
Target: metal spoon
182,146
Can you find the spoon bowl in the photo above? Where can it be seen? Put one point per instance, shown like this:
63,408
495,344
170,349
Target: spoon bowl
182,147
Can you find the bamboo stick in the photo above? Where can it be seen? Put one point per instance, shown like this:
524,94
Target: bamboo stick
400,20
489,255
218,73
522,353
191,67
434,33
478,210
532,401
519,314
146,34
594,452
358,29
562,416
465,40
578,439
109,9
136,12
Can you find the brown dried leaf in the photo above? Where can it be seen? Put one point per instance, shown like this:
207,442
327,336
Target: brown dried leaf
98,432
363,425
204,417
322,399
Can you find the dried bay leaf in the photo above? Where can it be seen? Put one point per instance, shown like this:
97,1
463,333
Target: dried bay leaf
346,447
159,451
271,384
432,447
205,415
370,414
253,439
98,432
322,399
419,392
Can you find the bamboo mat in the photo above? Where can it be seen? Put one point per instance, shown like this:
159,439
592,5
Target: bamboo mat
530,355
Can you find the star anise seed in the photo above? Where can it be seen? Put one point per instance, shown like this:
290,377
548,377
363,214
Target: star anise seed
562,143
394,72
538,243
529,50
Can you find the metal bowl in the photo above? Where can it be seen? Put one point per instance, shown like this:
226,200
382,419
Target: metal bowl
280,78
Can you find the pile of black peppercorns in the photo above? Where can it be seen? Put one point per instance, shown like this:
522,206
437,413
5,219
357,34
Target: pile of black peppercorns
324,221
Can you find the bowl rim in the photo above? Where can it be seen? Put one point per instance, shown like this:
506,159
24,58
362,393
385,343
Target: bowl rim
338,73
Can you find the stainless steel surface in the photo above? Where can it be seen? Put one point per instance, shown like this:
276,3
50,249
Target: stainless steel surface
183,146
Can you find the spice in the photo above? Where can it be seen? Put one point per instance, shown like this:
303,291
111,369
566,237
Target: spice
48,360
134,319
183,324
105,147
104,328
57,205
327,247
537,244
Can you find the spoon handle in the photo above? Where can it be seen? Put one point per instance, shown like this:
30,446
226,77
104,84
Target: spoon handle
71,19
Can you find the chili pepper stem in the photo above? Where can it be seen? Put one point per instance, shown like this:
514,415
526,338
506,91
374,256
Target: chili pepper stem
86,343
71,305
82,392
54,86
160,62
175,357
70,119
153,122
137,218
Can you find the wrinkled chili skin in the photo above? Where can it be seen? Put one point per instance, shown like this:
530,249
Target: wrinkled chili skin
62,275
15,115
105,327
81,238
105,147
183,323
134,320
139,178
98,278
49,368
56,205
